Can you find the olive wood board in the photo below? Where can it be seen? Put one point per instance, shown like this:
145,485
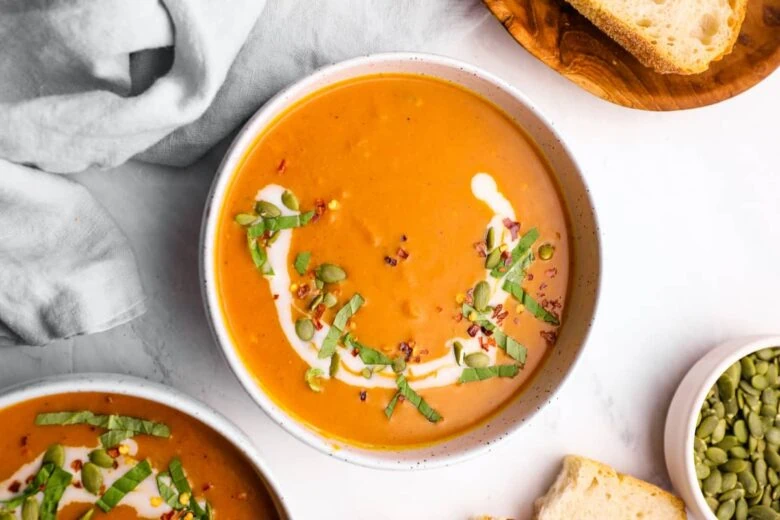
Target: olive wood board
566,41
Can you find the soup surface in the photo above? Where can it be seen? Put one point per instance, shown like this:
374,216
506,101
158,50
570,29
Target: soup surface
123,458
392,260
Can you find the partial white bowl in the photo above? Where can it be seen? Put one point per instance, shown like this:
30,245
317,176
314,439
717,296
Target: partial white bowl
584,282
685,407
135,387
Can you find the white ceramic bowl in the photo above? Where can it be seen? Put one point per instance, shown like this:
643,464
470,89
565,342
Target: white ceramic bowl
584,282
135,387
685,407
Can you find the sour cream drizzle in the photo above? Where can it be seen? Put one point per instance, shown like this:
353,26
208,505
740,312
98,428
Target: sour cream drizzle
139,499
442,371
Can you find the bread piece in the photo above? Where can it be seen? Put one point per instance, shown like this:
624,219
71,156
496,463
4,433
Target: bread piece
589,490
671,36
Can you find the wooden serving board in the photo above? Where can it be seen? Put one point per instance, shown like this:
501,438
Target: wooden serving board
558,35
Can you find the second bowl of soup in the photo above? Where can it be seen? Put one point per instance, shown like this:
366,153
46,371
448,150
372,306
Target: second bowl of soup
400,260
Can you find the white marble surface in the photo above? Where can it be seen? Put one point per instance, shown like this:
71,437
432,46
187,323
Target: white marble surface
689,204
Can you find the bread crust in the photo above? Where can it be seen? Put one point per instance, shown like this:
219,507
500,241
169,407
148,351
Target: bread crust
647,54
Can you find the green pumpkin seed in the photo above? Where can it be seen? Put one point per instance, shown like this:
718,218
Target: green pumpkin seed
477,360
290,200
245,219
762,367
706,427
762,512
772,458
731,408
755,426
304,328
734,372
91,478
719,409
316,301
735,466
330,300
739,452
767,410
740,431
546,251
367,373
719,432
493,259
771,375
772,477
726,510
733,494
481,296
490,239
716,455
759,382
335,362
742,510
712,484
330,273
728,442
101,458
457,349
769,396
728,482
772,435
30,509
759,470
5,515
752,444
749,389
767,498
765,354
266,209
775,492
712,503
748,367
748,482
313,377
55,454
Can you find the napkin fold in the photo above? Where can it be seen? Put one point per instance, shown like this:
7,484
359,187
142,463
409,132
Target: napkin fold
92,84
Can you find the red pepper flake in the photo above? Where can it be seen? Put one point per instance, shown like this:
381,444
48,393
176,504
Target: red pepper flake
552,272
404,238
29,479
497,310
482,343
549,336
355,352
15,486
168,515
457,317
76,465
282,166
543,286
487,332
403,253
406,349
423,352
513,227
416,359
473,329
207,486
319,310
506,258
529,276
391,261
481,248
319,209
23,441
302,291
317,324
77,484
439,309
401,399
470,296
113,452
276,296
115,465
363,395
502,316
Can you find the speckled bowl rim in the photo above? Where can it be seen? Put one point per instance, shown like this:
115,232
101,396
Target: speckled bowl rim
143,389
729,352
426,457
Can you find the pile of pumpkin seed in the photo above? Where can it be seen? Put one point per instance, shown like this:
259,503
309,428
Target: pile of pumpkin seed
735,448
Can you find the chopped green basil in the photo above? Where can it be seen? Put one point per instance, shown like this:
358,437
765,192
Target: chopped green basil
522,247
531,305
55,488
337,327
302,262
41,477
391,405
125,484
368,355
113,437
335,361
167,491
259,257
413,397
399,365
479,374
513,348
179,479
120,427
330,343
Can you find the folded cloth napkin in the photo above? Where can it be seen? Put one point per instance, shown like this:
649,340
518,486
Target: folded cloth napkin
88,83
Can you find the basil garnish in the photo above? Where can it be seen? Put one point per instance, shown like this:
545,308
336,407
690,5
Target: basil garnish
413,397
339,323
179,479
302,262
480,374
522,247
512,347
108,422
530,303
113,437
167,491
368,355
55,488
41,477
126,483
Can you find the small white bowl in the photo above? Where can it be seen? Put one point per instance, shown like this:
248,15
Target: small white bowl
142,389
685,407
583,284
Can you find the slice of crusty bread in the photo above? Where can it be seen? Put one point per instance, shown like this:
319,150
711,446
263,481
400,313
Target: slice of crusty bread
589,490
671,36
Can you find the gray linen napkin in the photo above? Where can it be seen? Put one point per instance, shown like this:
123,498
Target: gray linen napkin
88,83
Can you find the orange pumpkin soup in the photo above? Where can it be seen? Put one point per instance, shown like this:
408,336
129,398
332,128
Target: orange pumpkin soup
89,456
392,260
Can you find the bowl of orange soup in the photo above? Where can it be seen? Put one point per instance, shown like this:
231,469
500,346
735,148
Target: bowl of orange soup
98,446
400,260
